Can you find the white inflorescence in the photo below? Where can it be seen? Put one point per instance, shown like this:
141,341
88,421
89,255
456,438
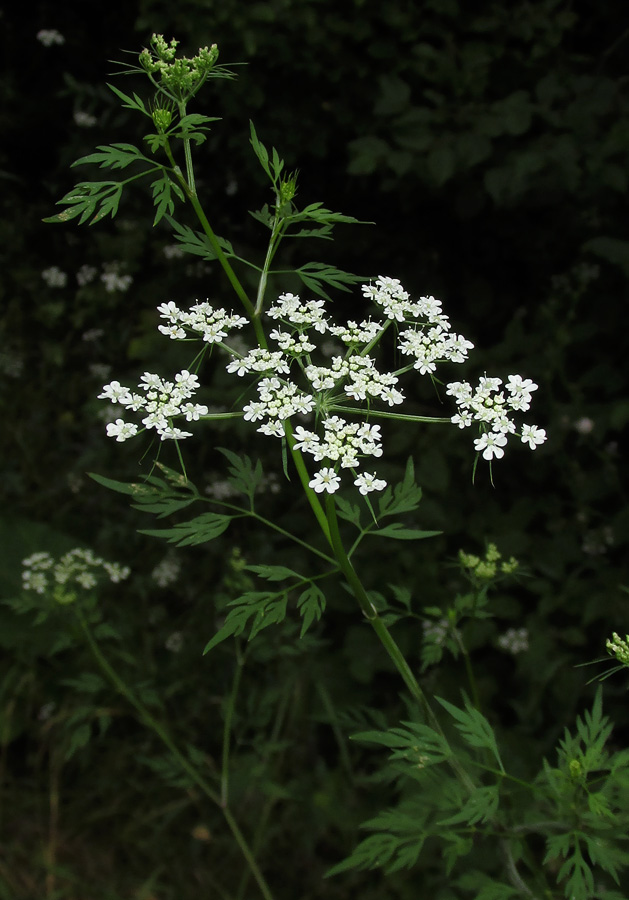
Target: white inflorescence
290,384
75,568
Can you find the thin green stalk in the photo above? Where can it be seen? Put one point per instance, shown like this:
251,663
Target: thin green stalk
270,253
263,819
381,414
190,770
267,522
313,500
471,678
189,190
187,153
386,639
229,713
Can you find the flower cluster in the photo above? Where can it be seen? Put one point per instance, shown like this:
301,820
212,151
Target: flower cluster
77,568
202,319
290,383
514,640
488,405
619,648
162,401
178,78
54,277
49,37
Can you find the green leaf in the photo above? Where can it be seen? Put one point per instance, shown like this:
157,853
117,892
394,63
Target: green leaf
311,605
481,806
163,188
130,103
415,743
260,151
244,476
315,274
274,573
196,531
155,495
84,200
263,607
474,727
197,242
404,498
348,511
114,156
398,532
486,888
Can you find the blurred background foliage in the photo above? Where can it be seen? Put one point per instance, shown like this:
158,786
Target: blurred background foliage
489,144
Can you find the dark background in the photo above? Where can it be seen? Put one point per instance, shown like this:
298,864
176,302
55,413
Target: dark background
489,144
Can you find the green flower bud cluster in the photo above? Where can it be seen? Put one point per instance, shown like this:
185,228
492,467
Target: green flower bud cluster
162,119
288,188
619,648
180,78
487,568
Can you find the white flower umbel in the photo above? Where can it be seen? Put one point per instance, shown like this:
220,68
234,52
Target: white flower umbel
202,319
78,567
162,402
493,408
340,393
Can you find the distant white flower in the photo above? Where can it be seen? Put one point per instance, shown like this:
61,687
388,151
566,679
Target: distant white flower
167,571
515,640
174,642
85,275
115,282
325,480
84,119
54,277
584,425
50,36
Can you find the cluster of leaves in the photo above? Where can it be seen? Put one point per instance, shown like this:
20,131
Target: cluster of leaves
579,808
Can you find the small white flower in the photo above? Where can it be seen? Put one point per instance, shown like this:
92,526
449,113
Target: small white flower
491,444
121,430
532,435
367,482
305,440
325,480
115,392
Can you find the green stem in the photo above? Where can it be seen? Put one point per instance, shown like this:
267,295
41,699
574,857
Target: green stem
187,767
313,500
278,528
386,639
190,192
270,253
187,153
229,714
471,678
381,414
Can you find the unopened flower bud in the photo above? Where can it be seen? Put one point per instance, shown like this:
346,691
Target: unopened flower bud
162,119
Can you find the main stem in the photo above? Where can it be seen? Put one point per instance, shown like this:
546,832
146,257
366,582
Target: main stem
386,638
